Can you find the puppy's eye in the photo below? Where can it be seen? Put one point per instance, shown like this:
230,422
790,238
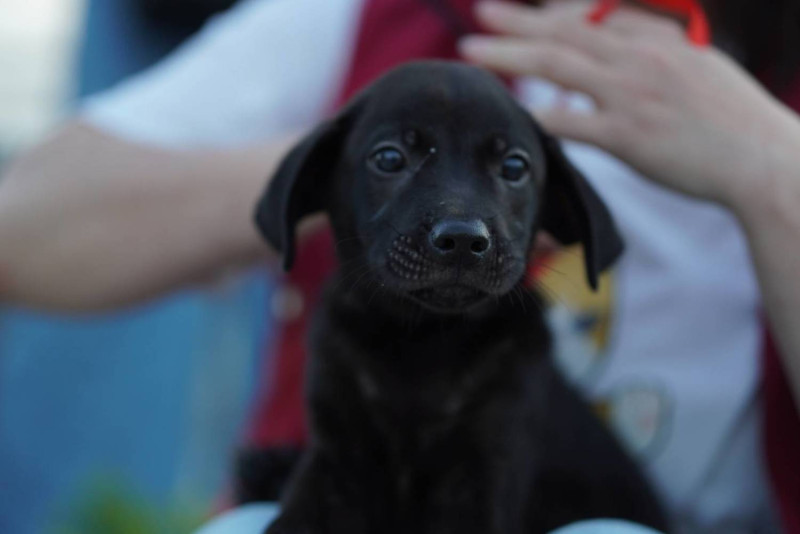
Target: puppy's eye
389,160
514,168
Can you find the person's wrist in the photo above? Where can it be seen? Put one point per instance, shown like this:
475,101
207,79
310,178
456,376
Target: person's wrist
773,192
767,166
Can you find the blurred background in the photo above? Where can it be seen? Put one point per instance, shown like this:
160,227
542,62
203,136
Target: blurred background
125,422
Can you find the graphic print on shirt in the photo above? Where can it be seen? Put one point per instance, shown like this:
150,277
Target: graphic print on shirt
639,410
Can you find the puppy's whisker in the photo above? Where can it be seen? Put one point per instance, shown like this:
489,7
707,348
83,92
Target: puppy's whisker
528,295
380,212
513,297
538,303
357,276
348,264
550,268
422,163
551,294
522,295
359,271
398,232
577,285
378,289
351,238
366,273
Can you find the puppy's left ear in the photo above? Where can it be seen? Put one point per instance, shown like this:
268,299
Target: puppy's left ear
572,212
300,186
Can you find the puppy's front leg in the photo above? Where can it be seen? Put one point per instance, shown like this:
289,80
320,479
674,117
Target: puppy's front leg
458,505
317,503
473,497
483,480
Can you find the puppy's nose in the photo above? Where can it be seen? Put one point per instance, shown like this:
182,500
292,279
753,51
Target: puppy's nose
454,238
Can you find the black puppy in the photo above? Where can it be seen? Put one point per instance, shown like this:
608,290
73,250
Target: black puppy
434,406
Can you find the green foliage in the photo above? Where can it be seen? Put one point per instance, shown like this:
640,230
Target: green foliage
114,509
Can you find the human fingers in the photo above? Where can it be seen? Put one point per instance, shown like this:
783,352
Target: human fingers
591,128
638,23
563,26
559,64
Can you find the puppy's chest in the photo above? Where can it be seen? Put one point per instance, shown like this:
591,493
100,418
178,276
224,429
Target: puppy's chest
429,382
418,392
423,380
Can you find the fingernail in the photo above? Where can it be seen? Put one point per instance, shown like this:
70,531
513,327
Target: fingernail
470,45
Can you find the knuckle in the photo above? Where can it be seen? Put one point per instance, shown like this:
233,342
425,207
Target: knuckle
645,123
654,55
669,27
641,89
545,61
656,66
630,128
619,131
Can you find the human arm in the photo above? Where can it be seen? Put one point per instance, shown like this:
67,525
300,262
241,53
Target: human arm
686,117
153,185
90,221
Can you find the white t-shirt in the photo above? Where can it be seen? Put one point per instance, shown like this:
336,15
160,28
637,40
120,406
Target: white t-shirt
669,350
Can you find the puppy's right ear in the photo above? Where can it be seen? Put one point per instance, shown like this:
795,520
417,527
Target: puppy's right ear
300,186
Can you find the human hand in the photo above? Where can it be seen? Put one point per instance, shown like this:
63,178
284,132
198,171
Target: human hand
687,117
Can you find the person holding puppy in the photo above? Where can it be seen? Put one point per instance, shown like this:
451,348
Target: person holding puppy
187,141
691,120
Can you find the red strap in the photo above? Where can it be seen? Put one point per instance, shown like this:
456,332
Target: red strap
602,9
697,30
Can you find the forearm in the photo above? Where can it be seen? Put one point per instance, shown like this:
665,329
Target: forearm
771,220
90,221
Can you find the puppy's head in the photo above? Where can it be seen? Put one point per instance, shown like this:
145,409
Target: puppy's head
436,181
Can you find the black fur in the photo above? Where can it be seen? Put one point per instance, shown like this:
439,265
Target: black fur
433,404
261,474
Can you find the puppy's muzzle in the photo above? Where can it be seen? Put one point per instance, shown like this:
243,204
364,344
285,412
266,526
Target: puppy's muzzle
460,241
